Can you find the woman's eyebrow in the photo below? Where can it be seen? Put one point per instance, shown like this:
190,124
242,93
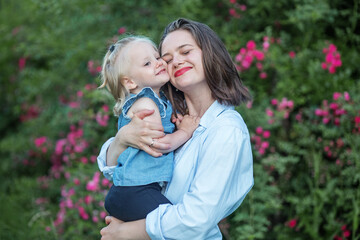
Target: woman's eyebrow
178,48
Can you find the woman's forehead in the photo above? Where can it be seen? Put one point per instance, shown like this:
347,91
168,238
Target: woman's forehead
177,39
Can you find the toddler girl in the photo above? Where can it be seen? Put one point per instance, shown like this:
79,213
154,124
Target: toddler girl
134,73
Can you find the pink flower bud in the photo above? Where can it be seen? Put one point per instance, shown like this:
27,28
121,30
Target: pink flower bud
103,214
122,30
265,144
326,120
269,112
91,186
334,106
323,65
22,63
242,7
259,130
290,104
332,69
274,101
318,112
266,134
251,45
337,121
232,11
263,75
332,48
292,54
261,151
76,181
266,46
292,223
40,141
88,199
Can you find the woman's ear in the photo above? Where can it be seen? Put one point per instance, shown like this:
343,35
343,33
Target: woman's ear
129,83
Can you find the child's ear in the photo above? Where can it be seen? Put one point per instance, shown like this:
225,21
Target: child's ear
129,83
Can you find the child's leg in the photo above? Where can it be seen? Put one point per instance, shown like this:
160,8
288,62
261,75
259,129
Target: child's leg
135,202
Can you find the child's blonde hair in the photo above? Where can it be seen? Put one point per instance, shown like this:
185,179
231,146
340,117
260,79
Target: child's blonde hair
115,67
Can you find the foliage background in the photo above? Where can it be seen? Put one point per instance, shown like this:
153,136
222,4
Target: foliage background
304,120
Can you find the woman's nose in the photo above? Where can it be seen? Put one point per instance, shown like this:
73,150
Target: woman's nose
176,61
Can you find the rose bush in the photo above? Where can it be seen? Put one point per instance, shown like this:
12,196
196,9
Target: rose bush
299,60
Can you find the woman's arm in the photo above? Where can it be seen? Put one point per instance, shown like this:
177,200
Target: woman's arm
223,177
139,133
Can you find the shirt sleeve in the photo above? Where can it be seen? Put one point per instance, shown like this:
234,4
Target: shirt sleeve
223,177
108,171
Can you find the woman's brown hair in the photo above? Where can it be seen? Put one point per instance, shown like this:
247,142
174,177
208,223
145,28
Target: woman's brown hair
220,72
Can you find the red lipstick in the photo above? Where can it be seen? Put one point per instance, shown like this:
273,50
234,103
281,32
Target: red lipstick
181,71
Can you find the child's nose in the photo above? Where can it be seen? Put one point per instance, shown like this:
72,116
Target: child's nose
159,62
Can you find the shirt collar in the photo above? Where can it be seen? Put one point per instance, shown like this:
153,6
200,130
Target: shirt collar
213,111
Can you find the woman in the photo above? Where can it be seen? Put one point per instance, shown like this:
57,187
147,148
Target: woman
213,171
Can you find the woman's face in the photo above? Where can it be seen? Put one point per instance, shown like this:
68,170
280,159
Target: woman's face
184,59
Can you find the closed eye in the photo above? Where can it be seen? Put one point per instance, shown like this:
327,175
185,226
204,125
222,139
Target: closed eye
147,64
167,60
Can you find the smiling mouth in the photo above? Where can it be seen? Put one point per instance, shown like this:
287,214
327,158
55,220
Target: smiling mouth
162,71
181,71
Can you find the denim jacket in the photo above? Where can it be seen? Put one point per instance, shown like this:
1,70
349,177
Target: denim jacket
136,167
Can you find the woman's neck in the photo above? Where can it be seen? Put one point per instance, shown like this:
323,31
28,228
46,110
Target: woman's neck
198,103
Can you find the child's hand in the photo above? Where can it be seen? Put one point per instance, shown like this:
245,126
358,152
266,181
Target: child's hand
188,124
177,120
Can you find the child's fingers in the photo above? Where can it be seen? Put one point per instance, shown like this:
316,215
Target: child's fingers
177,123
108,220
180,117
151,151
158,146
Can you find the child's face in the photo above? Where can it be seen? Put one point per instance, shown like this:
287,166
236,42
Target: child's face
147,69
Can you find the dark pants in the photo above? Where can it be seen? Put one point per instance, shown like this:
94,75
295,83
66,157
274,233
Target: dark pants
133,202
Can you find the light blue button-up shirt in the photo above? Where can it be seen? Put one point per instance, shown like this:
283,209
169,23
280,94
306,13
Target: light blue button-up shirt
213,173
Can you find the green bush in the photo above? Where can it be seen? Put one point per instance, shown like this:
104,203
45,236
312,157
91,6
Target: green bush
298,58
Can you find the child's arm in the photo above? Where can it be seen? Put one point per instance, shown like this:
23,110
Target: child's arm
146,103
143,103
185,129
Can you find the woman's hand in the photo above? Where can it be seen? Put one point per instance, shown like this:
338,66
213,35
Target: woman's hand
140,134
119,230
111,232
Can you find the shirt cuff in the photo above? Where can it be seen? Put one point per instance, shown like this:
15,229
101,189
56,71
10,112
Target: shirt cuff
108,171
153,220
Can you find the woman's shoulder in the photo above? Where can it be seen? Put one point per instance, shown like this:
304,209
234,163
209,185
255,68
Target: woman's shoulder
230,119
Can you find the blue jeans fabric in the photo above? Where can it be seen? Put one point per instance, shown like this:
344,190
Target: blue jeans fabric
130,203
